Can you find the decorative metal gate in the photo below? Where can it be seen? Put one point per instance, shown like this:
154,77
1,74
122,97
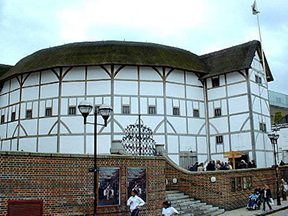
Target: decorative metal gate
138,139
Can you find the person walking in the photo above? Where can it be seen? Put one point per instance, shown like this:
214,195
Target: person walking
284,189
168,210
135,202
266,196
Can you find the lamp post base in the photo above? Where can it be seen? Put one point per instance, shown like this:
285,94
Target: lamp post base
278,200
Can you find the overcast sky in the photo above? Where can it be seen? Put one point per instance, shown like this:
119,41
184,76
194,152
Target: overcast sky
200,26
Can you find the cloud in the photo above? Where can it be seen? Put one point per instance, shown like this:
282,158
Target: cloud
200,26
166,18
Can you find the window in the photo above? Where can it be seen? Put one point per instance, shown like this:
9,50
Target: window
195,113
72,110
48,111
262,127
217,112
258,79
215,82
176,111
29,114
152,110
219,139
125,109
13,116
241,183
2,119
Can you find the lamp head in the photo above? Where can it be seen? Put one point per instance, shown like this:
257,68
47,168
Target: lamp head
276,137
105,111
85,107
271,136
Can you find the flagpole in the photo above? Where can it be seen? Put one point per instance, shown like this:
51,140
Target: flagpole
262,52
256,12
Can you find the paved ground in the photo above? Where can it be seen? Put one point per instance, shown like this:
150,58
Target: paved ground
245,212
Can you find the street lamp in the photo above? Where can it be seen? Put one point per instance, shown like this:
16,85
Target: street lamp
273,138
85,107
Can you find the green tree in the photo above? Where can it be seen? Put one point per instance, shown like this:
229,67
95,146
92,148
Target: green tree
277,117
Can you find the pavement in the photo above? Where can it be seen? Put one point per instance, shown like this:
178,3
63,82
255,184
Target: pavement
245,212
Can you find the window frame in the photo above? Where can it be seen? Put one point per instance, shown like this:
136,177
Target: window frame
258,79
219,139
29,114
150,108
196,113
126,109
176,111
48,112
215,82
72,110
262,127
2,121
217,112
13,116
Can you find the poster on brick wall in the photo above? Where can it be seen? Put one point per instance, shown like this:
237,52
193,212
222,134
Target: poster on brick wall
108,186
137,181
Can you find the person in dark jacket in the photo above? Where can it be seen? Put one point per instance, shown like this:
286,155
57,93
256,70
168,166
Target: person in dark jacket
266,196
210,166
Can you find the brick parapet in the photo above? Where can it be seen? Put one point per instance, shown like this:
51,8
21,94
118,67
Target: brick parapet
220,193
64,184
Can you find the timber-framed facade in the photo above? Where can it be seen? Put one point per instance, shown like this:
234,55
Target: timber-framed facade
202,106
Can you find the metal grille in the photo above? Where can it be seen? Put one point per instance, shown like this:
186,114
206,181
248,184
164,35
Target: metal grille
138,139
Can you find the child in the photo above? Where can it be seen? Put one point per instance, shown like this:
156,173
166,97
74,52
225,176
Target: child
168,210
135,202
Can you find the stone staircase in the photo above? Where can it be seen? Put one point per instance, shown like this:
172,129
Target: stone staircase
188,206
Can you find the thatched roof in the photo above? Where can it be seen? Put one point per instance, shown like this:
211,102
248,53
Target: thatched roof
108,52
137,53
233,59
4,68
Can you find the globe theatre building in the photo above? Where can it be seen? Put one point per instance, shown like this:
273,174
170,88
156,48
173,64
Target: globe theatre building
199,107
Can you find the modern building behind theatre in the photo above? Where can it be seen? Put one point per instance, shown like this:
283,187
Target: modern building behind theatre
199,106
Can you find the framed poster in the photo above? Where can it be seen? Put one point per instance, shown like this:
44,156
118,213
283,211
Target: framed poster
137,181
108,186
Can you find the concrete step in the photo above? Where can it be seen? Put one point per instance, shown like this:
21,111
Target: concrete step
184,200
178,197
188,206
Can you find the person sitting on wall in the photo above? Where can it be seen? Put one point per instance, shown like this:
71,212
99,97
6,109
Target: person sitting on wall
200,168
210,166
282,163
243,165
194,167
252,164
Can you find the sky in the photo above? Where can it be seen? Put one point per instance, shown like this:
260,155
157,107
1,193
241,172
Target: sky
200,26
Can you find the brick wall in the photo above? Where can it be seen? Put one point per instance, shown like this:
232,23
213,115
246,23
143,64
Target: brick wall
65,185
221,193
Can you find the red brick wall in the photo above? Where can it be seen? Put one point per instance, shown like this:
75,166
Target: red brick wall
219,193
65,185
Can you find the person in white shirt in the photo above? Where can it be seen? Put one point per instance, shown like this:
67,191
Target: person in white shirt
168,210
135,202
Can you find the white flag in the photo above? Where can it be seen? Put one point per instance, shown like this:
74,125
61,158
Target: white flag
254,8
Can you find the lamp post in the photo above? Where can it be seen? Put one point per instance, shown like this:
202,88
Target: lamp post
273,138
85,107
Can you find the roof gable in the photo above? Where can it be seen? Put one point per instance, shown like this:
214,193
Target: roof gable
234,59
